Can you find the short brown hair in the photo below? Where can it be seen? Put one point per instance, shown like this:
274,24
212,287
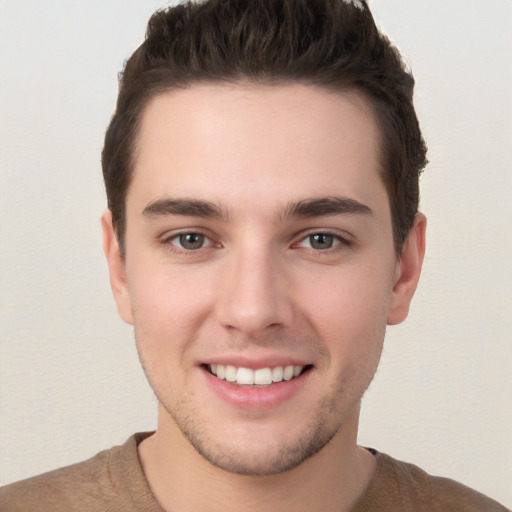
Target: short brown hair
333,44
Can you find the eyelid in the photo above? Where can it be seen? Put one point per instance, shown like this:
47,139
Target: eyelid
343,236
168,237
341,243
336,241
341,239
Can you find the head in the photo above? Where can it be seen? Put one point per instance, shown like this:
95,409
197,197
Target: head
332,44
262,175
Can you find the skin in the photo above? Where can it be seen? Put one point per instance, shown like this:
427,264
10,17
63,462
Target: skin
268,280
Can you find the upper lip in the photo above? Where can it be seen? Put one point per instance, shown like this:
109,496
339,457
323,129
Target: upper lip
255,363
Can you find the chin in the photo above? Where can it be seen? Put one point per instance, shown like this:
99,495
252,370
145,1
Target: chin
262,460
256,450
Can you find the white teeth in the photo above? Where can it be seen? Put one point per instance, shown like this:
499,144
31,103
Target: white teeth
245,376
288,373
230,373
263,377
260,377
277,374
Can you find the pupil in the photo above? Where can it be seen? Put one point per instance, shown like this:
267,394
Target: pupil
191,241
321,241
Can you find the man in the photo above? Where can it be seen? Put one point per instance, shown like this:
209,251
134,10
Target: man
263,229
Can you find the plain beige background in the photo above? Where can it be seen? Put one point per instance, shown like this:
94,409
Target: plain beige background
70,383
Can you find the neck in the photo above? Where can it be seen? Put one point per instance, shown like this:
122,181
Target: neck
331,480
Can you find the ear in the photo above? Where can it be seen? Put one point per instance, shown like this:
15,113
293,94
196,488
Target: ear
408,271
116,268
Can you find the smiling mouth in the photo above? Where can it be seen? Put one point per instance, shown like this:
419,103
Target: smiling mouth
261,377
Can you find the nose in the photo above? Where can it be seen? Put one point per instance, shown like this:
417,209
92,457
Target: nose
254,295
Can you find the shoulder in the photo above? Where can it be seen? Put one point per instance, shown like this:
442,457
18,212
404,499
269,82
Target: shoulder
401,486
89,485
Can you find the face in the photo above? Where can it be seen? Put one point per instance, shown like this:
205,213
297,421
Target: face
260,271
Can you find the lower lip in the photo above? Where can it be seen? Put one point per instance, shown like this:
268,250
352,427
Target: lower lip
254,398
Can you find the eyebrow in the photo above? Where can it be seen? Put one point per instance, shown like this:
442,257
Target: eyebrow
305,208
184,207
316,207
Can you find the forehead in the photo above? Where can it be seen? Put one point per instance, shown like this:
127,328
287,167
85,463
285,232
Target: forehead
248,141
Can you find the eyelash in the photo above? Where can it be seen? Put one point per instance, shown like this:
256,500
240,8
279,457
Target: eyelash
168,242
339,242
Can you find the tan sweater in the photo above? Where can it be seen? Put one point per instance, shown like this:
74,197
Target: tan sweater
113,481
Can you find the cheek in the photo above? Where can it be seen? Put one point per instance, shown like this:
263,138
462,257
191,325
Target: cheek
168,303
354,297
166,314
347,310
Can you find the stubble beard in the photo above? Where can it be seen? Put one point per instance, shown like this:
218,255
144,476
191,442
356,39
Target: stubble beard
329,417
225,456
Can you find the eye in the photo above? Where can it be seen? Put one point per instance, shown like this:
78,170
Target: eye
320,241
190,241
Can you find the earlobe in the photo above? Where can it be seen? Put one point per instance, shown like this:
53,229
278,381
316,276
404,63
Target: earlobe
409,270
116,268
